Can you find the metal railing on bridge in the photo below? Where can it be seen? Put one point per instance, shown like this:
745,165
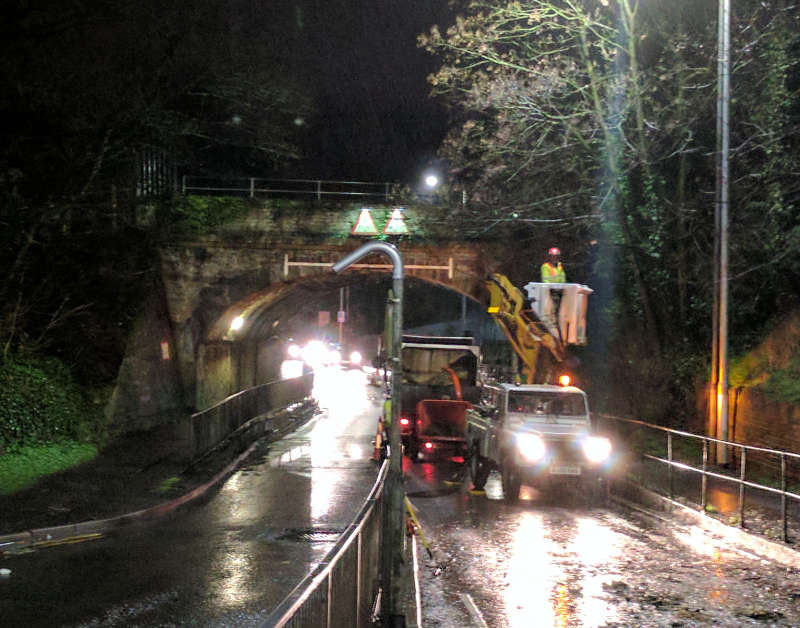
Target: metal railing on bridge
344,587
299,188
688,454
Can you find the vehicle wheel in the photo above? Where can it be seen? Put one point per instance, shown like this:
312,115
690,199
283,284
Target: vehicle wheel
412,450
478,469
512,481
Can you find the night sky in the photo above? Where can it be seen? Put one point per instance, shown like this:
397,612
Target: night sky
376,119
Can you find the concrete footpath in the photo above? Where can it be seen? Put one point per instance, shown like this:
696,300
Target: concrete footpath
649,503
137,477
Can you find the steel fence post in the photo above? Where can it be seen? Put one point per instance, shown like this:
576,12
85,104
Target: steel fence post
783,499
742,475
705,479
669,469
358,580
329,618
395,492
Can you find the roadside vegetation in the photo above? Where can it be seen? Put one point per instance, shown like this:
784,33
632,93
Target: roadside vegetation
87,172
22,466
591,126
46,423
584,124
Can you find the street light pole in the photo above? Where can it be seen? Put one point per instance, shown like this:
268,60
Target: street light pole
394,527
720,324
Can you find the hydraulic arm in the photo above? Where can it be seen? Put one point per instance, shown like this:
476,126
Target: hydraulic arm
526,333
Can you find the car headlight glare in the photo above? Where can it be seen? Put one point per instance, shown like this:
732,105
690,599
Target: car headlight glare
355,358
597,448
531,447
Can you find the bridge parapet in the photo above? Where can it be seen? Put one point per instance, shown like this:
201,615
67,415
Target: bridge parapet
254,262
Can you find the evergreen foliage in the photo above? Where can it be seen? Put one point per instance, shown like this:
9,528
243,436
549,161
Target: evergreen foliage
200,214
783,385
40,403
591,125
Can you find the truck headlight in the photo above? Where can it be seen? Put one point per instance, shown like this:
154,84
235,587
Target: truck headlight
531,447
596,448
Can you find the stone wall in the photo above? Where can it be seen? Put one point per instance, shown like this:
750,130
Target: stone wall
754,418
148,389
241,266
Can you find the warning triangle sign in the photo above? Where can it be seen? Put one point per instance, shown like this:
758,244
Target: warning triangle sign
396,225
364,226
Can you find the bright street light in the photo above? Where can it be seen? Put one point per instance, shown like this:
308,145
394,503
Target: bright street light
237,323
431,180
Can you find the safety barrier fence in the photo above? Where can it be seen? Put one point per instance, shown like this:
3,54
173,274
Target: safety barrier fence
211,426
688,455
302,188
343,590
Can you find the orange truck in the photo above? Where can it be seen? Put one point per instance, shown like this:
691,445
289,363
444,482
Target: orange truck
440,382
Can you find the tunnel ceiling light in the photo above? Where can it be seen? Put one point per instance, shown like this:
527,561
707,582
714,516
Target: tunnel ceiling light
396,225
237,323
364,226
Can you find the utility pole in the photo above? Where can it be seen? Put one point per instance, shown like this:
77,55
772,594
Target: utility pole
394,522
718,402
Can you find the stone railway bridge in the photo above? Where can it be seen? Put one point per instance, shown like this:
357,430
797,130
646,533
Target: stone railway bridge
265,266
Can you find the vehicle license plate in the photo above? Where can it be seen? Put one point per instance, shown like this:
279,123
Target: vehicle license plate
565,470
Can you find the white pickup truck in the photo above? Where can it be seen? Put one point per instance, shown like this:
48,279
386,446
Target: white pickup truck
534,434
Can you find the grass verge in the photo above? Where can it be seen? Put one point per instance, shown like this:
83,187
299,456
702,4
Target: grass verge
27,464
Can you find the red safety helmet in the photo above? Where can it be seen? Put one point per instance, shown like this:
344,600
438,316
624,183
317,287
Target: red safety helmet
554,251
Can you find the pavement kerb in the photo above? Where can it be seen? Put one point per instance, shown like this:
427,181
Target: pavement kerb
632,495
75,532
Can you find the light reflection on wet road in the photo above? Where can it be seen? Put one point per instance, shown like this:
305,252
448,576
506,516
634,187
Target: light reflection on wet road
228,561
551,561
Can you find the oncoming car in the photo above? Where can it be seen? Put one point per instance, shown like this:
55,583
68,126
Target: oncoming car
351,359
536,434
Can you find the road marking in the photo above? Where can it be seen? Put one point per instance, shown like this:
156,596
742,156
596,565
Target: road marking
417,590
472,609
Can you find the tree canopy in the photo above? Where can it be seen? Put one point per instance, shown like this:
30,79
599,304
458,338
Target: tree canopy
96,94
599,117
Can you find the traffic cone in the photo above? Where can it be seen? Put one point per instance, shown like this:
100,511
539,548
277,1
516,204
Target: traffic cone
376,450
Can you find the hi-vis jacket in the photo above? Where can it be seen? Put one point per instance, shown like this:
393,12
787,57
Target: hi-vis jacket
553,274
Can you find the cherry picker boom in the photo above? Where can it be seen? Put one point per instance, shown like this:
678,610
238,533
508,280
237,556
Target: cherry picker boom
530,330
536,432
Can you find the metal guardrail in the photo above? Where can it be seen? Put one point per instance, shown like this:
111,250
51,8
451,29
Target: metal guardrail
213,425
316,188
780,456
343,590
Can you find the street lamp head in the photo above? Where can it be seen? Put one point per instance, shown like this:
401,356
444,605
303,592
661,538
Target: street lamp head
431,181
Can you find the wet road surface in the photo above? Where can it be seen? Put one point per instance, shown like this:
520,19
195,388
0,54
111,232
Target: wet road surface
228,561
551,560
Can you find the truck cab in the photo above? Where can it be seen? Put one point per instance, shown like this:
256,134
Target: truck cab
536,434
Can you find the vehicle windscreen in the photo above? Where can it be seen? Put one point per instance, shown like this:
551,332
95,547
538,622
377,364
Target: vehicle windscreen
546,403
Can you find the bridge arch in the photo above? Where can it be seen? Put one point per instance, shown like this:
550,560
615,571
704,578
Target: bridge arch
180,358
229,359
